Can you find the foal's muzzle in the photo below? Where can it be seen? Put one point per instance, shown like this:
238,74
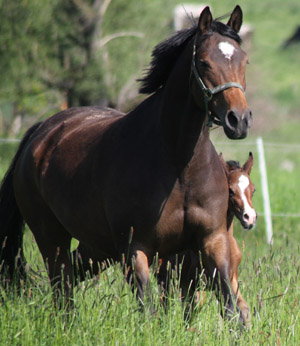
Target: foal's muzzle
237,123
248,221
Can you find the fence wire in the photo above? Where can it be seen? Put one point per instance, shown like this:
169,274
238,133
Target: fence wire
269,147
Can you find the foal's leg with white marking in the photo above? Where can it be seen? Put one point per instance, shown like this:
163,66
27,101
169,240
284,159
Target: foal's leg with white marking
216,261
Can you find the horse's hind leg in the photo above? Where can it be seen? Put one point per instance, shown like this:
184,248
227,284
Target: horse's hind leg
54,244
53,241
83,263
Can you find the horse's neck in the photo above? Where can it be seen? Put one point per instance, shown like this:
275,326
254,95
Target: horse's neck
182,120
230,217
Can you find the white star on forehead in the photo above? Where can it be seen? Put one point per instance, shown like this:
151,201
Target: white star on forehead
227,49
243,182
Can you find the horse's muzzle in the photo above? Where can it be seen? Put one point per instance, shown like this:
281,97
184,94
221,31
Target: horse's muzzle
237,124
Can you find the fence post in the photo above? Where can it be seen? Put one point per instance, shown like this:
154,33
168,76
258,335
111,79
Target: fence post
265,191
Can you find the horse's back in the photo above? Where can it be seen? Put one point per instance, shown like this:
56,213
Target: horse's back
55,170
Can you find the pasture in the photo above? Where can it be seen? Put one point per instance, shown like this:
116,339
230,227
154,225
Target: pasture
107,313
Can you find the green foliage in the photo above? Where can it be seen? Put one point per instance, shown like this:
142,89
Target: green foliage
46,54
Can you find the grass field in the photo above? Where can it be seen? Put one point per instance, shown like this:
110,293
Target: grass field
106,312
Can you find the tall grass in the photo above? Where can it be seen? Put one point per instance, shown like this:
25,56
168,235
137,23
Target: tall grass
106,311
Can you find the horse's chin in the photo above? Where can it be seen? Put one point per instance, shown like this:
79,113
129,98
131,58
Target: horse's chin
237,134
247,226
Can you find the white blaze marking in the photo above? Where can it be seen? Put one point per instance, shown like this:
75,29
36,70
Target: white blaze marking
227,49
243,184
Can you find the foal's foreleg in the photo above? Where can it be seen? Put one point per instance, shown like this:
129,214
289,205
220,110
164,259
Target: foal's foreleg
216,261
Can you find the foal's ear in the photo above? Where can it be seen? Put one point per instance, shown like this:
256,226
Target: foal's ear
248,164
236,19
205,20
224,163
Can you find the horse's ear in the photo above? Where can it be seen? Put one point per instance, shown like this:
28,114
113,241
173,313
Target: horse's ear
205,20
248,164
224,163
236,19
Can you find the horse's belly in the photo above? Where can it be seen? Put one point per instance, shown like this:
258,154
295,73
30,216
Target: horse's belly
169,232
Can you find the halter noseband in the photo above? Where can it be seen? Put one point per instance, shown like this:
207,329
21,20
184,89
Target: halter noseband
209,93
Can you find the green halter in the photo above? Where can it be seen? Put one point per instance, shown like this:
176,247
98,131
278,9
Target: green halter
209,93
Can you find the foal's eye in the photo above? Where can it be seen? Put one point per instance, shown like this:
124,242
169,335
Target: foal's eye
231,193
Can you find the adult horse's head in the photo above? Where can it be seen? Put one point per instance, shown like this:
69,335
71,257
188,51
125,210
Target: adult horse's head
218,73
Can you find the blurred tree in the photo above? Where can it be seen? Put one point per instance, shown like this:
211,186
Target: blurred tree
63,53
50,48
22,36
75,67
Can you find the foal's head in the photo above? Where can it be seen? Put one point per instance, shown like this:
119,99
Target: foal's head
219,73
241,191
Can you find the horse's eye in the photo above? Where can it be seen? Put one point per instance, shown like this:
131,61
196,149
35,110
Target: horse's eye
254,190
231,193
248,62
204,64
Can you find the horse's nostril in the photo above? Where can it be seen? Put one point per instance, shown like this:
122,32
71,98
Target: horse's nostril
247,118
232,120
246,217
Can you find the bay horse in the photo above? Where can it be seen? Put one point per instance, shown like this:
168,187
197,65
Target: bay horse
85,174
241,190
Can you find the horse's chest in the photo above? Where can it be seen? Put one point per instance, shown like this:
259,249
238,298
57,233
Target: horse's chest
189,215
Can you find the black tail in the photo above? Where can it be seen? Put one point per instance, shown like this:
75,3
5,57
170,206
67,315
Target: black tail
12,261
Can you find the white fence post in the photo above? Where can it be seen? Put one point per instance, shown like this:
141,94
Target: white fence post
265,191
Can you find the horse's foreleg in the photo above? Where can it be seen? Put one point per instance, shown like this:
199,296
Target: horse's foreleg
216,261
236,258
141,271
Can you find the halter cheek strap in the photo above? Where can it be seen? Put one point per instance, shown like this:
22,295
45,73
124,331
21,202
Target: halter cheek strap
208,92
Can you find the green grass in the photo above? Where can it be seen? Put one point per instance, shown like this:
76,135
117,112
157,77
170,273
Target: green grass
107,313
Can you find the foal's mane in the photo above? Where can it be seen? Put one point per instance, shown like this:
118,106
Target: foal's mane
165,54
233,165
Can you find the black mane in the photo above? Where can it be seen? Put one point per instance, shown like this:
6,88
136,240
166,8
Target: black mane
165,54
